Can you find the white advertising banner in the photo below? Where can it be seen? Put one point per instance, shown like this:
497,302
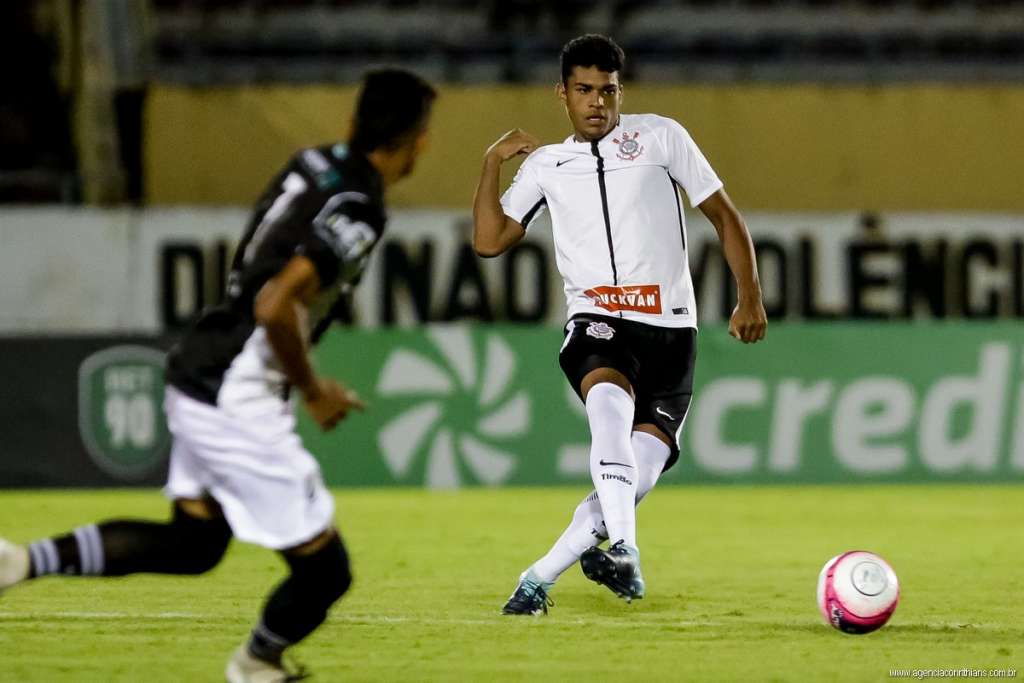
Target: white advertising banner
74,271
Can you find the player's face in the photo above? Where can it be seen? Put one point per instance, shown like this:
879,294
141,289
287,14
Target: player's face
412,151
592,100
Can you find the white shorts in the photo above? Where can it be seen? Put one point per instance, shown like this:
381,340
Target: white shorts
269,486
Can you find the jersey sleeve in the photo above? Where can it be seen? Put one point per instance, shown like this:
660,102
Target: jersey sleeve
524,200
688,166
343,234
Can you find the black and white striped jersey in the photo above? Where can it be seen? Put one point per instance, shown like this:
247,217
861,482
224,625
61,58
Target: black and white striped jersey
616,219
326,204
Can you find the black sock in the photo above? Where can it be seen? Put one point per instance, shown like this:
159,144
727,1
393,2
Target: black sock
186,545
299,604
266,645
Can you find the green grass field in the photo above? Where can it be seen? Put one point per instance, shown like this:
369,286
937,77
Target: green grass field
730,571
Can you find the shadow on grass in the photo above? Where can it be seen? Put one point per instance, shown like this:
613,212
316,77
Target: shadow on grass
978,632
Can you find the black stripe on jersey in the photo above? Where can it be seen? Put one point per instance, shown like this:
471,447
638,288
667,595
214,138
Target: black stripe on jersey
679,207
532,212
604,208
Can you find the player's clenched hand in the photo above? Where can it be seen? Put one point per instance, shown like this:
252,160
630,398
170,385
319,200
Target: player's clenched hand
328,402
748,322
516,141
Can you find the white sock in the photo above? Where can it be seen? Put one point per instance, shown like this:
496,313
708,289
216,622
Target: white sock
587,526
612,463
651,454
585,529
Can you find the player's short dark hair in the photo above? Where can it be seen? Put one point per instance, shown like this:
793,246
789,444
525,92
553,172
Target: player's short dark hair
393,104
591,49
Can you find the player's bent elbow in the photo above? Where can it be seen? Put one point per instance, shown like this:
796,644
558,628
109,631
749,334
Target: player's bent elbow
487,252
487,249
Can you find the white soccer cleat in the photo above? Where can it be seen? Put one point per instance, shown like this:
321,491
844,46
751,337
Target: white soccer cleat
244,668
14,563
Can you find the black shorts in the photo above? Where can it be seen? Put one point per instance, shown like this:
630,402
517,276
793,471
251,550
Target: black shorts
657,361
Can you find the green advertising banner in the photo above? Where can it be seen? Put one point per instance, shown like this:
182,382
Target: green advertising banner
465,405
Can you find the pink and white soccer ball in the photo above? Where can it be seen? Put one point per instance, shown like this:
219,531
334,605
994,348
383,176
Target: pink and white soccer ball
857,592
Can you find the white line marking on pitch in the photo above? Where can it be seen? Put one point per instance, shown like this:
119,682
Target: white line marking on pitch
352,618
99,615
498,619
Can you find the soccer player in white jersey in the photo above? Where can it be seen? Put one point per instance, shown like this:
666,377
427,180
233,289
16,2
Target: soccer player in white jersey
612,188
237,467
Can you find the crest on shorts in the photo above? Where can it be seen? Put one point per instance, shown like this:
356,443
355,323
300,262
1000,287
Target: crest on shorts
600,330
120,410
629,148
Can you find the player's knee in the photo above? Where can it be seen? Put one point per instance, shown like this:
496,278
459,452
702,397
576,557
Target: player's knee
336,572
202,543
209,554
605,375
325,574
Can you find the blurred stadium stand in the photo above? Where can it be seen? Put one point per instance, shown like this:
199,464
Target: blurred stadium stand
37,159
680,40
72,125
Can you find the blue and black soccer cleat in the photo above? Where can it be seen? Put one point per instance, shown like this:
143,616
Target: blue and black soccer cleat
530,596
618,568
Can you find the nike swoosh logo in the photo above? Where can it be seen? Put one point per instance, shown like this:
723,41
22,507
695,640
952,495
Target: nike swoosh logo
559,163
620,464
662,412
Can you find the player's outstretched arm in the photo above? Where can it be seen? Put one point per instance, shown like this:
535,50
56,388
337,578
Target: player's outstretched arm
280,308
493,231
748,321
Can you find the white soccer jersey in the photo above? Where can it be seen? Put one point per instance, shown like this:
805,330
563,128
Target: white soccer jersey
618,226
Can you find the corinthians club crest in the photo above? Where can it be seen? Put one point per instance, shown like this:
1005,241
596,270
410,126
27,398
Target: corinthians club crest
629,148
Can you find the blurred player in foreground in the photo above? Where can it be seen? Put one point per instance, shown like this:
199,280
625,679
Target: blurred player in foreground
237,466
630,344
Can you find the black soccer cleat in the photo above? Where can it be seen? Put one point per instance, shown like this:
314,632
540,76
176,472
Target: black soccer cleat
530,596
618,568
